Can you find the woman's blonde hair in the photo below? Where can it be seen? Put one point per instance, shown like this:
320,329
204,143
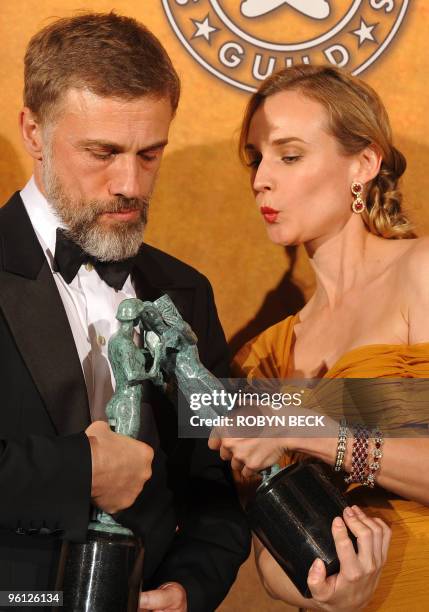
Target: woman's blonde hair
357,119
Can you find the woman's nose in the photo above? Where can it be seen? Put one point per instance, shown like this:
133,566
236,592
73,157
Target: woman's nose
263,179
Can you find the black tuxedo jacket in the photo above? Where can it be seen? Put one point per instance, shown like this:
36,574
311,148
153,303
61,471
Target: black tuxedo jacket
45,459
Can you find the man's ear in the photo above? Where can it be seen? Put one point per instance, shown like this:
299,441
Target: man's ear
369,161
31,133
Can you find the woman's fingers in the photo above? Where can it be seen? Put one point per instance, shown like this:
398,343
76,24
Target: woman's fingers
377,534
215,441
365,539
225,454
387,534
248,473
319,587
373,538
350,566
236,464
359,572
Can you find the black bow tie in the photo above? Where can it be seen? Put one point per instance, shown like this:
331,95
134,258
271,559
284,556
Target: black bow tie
69,257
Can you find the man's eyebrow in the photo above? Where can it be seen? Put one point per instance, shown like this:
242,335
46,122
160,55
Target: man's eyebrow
107,144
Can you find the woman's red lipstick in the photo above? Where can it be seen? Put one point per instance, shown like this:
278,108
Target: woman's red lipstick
269,214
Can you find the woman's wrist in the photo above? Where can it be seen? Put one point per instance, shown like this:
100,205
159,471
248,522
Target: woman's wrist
323,448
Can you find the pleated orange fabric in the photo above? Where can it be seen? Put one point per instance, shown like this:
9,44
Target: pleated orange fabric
268,355
405,578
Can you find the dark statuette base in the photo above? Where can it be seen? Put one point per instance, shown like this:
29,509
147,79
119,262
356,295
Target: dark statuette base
292,514
101,575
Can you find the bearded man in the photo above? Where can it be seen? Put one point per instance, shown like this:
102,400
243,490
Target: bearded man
100,94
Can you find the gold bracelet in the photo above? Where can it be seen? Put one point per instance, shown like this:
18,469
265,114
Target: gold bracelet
341,446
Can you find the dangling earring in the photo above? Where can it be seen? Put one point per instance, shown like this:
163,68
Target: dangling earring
358,205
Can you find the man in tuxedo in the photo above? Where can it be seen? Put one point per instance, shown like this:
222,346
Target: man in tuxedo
100,93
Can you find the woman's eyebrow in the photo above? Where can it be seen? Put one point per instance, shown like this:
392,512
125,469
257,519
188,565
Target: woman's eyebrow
280,141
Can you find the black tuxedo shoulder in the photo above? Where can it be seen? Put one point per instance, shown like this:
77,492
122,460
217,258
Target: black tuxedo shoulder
20,251
14,199
11,212
166,270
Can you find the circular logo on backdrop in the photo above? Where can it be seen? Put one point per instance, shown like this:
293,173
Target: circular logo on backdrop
244,41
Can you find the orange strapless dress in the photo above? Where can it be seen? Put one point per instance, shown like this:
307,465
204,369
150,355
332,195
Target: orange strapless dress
404,583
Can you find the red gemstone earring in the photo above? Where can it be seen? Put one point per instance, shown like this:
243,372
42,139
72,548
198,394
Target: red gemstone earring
358,205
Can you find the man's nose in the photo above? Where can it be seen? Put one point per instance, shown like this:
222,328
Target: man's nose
125,178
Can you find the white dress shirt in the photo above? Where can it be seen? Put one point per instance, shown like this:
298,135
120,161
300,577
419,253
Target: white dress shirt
90,304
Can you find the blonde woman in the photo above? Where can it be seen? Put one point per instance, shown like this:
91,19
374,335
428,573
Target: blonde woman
325,173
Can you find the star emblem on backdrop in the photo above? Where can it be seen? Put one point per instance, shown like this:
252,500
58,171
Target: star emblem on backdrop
364,32
204,29
237,46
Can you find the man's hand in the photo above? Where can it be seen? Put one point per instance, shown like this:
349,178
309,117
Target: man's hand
120,467
170,597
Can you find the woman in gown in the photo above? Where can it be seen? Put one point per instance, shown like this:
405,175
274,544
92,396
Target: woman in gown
324,173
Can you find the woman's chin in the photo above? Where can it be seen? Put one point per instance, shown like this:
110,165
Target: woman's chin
280,236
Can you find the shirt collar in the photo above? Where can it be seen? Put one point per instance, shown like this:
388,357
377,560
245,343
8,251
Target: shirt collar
42,216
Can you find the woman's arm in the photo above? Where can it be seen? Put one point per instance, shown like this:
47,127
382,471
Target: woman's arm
404,467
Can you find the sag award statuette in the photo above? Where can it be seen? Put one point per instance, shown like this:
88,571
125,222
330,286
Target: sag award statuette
293,509
104,573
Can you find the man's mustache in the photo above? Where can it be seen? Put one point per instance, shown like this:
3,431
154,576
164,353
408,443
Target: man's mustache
119,205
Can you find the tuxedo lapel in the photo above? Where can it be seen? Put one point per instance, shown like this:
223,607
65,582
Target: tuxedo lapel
152,280
36,317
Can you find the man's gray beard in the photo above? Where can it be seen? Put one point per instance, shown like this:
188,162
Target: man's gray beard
112,242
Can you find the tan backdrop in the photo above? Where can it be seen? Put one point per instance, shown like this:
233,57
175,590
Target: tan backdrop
203,211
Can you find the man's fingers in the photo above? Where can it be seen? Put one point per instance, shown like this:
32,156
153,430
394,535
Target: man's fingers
169,596
158,599
97,427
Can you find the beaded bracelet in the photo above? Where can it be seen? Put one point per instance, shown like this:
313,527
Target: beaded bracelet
341,446
377,454
359,455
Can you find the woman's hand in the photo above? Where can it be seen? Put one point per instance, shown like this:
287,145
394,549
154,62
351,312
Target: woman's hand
353,587
249,455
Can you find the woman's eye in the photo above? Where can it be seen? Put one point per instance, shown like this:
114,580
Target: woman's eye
291,159
254,163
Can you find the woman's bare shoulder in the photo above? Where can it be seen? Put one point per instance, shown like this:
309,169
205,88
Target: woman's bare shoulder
414,263
414,284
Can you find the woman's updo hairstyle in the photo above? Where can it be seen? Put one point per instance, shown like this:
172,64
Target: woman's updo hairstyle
357,118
